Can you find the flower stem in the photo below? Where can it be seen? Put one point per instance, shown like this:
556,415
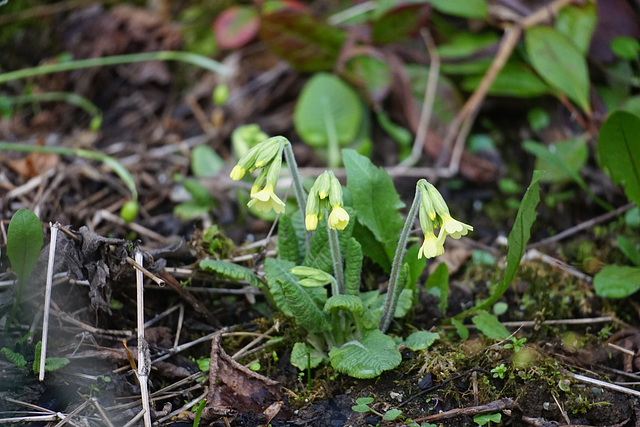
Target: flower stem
393,290
334,246
298,189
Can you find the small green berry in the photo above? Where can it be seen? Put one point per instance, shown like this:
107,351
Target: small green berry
220,94
129,211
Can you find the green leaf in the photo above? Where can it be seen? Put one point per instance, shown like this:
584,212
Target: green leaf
399,22
416,266
236,26
205,161
392,414
578,23
561,161
374,199
559,63
629,248
305,42
615,281
230,271
13,357
514,80
362,404
353,267
625,47
489,325
370,75
24,241
438,284
293,299
319,254
287,245
367,358
405,301
190,210
421,340
350,303
304,357
327,102
464,9
463,331
619,151
487,418
517,241
50,364
371,247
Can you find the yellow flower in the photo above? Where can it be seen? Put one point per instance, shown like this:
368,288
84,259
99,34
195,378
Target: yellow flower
311,221
338,219
266,200
237,173
454,228
433,246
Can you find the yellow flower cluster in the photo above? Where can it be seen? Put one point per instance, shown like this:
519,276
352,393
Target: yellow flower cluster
266,156
434,213
325,194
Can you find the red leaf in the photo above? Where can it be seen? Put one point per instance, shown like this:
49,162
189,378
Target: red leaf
236,26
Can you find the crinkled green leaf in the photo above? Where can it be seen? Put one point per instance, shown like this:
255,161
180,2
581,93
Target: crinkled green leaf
24,241
326,103
304,357
421,340
489,325
371,247
287,245
438,284
559,63
368,357
374,199
619,151
617,281
353,267
230,270
319,253
350,303
578,23
50,364
13,357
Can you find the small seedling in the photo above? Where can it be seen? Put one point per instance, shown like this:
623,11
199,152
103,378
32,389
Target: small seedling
487,419
499,371
515,344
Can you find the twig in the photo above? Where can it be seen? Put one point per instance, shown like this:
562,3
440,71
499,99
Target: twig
621,349
183,408
179,328
104,416
144,362
104,214
255,341
582,226
47,298
146,272
602,384
495,406
532,323
562,411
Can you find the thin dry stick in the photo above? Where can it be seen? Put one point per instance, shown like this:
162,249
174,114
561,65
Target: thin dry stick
179,328
255,341
621,349
562,411
143,348
532,323
146,272
100,410
47,298
492,407
185,407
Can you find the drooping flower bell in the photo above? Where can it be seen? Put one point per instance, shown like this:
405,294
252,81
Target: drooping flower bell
326,194
266,156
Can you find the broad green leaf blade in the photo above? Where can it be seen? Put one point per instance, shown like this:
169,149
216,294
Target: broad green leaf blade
327,99
350,303
371,247
463,9
367,358
421,340
319,254
305,42
438,285
399,22
416,266
230,270
353,267
50,364
489,325
559,63
517,240
561,161
615,281
372,76
24,241
619,151
374,199
629,248
305,357
287,245
578,23
514,81
463,331
205,161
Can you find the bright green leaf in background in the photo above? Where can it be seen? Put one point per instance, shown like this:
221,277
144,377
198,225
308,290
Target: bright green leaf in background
487,418
578,23
24,241
367,358
489,325
514,80
421,340
616,281
438,284
619,151
462,8
205,161
304,357
626,47
371,75
561,161
465,45
629,248
559,63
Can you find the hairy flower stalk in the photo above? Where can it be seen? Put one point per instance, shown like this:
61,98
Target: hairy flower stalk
434,213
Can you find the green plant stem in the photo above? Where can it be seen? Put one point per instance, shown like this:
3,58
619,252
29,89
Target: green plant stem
298,189
190,58
334,146
71,98
393,290
112,162
336,258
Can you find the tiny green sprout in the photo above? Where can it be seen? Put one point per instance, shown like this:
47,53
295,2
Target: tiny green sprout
487,419
203,363
274,356
362,404
499,371
129,211
255,366
515,344
220,94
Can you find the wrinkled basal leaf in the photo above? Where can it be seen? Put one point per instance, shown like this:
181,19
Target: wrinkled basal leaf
421,340
304,357
305,42
399,22
327,99
367,358
353,267
489,325
619,151
236,26
24,241
616,281
287,245
559,63
230,271
350,303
